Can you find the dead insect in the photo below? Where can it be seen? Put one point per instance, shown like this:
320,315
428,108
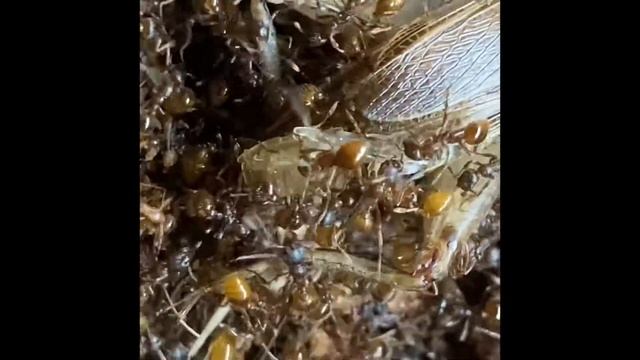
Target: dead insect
413,76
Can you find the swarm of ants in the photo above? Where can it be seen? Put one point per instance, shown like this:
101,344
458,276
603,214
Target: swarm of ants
277,221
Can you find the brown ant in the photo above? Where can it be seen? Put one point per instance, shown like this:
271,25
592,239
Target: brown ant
468,177
437,147
472,135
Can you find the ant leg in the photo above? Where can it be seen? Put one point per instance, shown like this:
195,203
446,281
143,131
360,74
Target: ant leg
380,239
275,14
160,48
331,111
475,194
433,286
465,330
487,332
486,185
464,167
439,174
187,41
353,121
166,47
492,158
289,42
478,163
445,118
466,198
451,171
298,27
467,165
359,176
292,65
328,200
334,43
464,201
364,43
464,147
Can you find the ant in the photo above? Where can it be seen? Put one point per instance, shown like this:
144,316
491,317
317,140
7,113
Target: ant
473,134
468,177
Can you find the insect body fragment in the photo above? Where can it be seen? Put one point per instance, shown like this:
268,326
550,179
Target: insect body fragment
457,56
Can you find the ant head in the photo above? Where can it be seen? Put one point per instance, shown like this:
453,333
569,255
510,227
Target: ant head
297,255
485,170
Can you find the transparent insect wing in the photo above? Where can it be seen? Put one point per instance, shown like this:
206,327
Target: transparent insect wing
455,59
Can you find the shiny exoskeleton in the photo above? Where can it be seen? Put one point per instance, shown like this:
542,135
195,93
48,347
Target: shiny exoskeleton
469,177
473,134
